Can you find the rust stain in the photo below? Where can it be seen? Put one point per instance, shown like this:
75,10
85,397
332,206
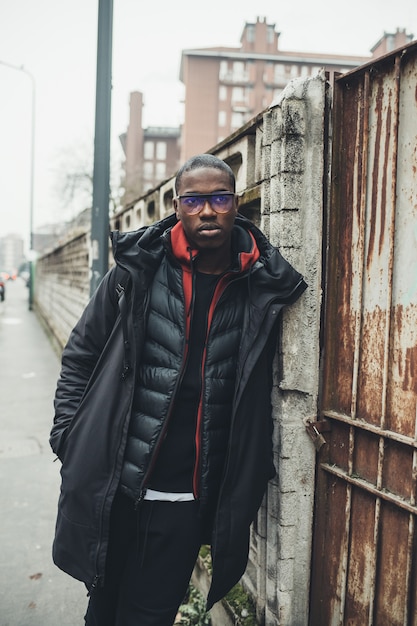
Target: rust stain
399,318
361,127
370,387
339,340
384,186
380,187
391,588
375,169
402,390
410,373
362,560
398,461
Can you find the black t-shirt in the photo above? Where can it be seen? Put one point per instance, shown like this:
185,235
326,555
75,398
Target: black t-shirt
173,470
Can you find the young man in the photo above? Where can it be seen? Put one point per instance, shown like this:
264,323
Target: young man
163,411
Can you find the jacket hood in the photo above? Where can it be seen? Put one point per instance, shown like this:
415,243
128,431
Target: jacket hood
273,272
268,270
141,248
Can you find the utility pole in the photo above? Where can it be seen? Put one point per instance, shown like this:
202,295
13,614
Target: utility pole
99,252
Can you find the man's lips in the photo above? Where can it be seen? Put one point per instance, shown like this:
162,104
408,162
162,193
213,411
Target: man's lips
208,227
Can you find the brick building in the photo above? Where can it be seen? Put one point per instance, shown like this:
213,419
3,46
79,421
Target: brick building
151,154
391,41
226,87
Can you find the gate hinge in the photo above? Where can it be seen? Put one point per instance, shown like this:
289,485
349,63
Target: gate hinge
315,429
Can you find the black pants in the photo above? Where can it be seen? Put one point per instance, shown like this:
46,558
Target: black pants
151,556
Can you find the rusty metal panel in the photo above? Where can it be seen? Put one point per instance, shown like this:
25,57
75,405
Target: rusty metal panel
361,572
364,563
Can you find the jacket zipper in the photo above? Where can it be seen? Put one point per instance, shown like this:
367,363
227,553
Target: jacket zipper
218,293
164,429
188,308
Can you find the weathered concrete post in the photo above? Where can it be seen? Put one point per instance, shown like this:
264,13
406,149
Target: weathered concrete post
292,216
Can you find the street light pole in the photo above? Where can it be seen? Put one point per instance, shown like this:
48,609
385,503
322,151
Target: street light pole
99,256
32,173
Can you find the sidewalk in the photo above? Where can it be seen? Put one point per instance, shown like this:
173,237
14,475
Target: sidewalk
33,592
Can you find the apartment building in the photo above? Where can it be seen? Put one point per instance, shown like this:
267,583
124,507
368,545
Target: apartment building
391,41
11,253
226,87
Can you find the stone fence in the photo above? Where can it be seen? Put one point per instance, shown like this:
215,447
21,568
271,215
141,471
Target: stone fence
279,161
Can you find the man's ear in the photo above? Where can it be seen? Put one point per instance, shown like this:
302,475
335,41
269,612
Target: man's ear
175,207
236,203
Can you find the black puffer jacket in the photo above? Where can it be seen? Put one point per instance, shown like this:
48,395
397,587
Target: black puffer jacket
164,361
95,391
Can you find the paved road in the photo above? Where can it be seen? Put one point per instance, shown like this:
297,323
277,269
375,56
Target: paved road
33,592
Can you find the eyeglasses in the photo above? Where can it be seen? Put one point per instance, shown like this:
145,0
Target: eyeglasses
219,202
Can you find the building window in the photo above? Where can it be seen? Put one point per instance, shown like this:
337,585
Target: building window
148,150
238,119
222,93
390,43
222,119
239,73
305,70
250,33
161,150
239,95
223,73
148,170
294,71
270,34
279,72
160,170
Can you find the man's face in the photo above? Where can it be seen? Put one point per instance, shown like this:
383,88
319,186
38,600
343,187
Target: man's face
206,229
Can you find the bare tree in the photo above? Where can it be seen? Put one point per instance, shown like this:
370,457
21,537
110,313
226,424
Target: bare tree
74,181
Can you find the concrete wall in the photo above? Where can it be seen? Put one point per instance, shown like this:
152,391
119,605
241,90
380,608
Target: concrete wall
292,209
62,286
278,159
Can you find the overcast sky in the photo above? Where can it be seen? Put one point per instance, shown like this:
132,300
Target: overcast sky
56,41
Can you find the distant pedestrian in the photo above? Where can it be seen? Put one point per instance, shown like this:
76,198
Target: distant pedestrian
163,409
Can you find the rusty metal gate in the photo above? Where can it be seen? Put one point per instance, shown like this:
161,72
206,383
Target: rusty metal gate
364,568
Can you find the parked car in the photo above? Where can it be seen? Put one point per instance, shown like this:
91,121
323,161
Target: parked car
2,289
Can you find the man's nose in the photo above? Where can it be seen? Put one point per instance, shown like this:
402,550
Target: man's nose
207,209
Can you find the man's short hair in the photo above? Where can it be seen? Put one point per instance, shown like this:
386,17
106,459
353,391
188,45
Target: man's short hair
204,160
